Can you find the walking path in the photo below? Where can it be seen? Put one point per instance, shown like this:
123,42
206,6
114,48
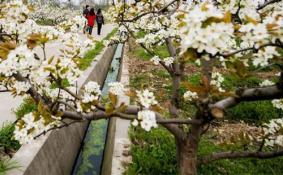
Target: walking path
8,103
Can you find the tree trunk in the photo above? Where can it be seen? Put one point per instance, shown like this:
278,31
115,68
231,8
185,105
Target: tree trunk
187,160
176,79
187,150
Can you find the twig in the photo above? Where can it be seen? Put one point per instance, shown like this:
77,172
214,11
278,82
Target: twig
250,48
57,127
267,3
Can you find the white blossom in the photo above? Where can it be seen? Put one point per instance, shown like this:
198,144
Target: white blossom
263,56
168,61
116,88
267,83
278,103
30,126
148,119
213,38
155,60
146,98
135,122
272,132
189,96
198,62
217,80
91,92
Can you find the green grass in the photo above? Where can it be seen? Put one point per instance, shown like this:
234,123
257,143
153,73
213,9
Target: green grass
6,137
232,81
46,22
254,112
140,53
28,105
154,152
6,165
85,62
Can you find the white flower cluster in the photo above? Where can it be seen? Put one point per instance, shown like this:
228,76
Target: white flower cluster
253,34
73,45
146,98
168,61
248,7
19,60
31,126
155,60
116,88
190,96
91,92
198,62
42,73
157,27
267,83
278,103
15,10
217,80
200,34
147,118
50,11
90,97
21,87
273,133
264,55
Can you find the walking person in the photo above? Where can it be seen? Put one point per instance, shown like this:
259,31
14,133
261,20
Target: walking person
85,13
99,21
90,20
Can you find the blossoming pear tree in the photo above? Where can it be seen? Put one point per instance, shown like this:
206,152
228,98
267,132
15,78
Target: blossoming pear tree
235,36
42,11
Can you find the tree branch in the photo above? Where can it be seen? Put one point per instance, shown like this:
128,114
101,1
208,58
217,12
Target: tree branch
130,114
150,12
57,127
267,3
67,104
5,90
103,115
236,155
64,88
250,48
252,94
36,96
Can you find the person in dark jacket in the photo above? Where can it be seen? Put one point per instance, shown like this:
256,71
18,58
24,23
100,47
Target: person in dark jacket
99,21
90,20
85,13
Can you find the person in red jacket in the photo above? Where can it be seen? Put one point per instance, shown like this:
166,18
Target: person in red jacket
90,20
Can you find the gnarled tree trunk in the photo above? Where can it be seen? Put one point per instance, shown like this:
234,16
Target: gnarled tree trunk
187,150
187,160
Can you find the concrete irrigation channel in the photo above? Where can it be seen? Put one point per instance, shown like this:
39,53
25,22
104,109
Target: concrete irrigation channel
97,147
84,148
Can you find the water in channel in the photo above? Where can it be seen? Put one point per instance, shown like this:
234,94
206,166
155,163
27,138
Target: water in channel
89,161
